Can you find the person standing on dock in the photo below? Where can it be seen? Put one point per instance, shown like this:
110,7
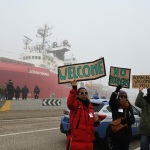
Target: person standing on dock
36,92
17,93
24,92
10,90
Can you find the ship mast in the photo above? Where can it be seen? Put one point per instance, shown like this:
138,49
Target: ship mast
44,33
27,41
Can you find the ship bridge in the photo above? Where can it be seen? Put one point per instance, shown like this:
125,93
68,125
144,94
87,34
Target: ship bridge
60,50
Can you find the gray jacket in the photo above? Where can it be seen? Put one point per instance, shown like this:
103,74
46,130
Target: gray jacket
140,102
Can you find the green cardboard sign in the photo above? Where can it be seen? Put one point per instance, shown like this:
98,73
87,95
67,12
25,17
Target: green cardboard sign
119,76
82,71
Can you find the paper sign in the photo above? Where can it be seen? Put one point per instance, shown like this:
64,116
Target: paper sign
82,71
119,76
140,81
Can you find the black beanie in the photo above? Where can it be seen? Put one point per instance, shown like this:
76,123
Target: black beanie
122,93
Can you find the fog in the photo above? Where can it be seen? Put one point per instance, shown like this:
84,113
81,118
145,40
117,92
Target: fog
117,30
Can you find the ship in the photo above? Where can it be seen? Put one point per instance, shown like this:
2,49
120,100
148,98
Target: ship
37,65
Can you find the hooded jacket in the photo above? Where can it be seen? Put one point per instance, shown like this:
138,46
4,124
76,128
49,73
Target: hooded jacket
81,134
126,134
142,103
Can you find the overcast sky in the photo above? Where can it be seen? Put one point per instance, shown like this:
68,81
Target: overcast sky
118,30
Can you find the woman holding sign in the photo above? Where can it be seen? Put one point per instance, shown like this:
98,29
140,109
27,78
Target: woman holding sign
143,102
82,120
122,109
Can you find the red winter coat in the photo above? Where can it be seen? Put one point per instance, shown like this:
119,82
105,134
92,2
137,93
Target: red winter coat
81,135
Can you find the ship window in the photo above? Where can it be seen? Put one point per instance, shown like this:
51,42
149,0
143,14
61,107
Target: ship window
39,57
29,57
35,57
32,57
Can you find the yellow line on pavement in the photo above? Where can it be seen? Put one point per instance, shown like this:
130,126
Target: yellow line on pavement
6,106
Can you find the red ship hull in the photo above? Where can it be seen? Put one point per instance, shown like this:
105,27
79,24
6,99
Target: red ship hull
31,76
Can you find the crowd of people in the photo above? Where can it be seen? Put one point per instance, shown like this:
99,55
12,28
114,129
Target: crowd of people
8,91
83,120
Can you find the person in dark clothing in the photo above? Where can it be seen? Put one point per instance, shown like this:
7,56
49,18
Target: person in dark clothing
6,94
121,107
10,90
17,93
2,92
24,92
36,92
143,102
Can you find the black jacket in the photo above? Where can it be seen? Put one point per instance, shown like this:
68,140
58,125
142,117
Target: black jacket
126,134
24,90
36,90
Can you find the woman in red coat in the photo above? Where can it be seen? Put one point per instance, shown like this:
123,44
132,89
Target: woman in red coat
82,120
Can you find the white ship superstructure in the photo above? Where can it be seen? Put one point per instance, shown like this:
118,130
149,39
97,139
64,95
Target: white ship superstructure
45,55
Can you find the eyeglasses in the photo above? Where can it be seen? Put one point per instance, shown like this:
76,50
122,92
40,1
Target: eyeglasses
83,93
123,96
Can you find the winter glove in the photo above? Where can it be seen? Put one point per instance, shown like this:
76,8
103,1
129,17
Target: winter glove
74,84
124,121
118,88
74,87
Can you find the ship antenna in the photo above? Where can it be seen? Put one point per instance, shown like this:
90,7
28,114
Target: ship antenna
44,34
26,41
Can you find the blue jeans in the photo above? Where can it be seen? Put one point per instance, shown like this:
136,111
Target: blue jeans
145,142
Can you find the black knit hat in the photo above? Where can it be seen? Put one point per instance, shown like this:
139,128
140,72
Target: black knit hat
122,93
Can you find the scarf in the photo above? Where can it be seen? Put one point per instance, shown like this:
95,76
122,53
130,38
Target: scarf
84,102
124,104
